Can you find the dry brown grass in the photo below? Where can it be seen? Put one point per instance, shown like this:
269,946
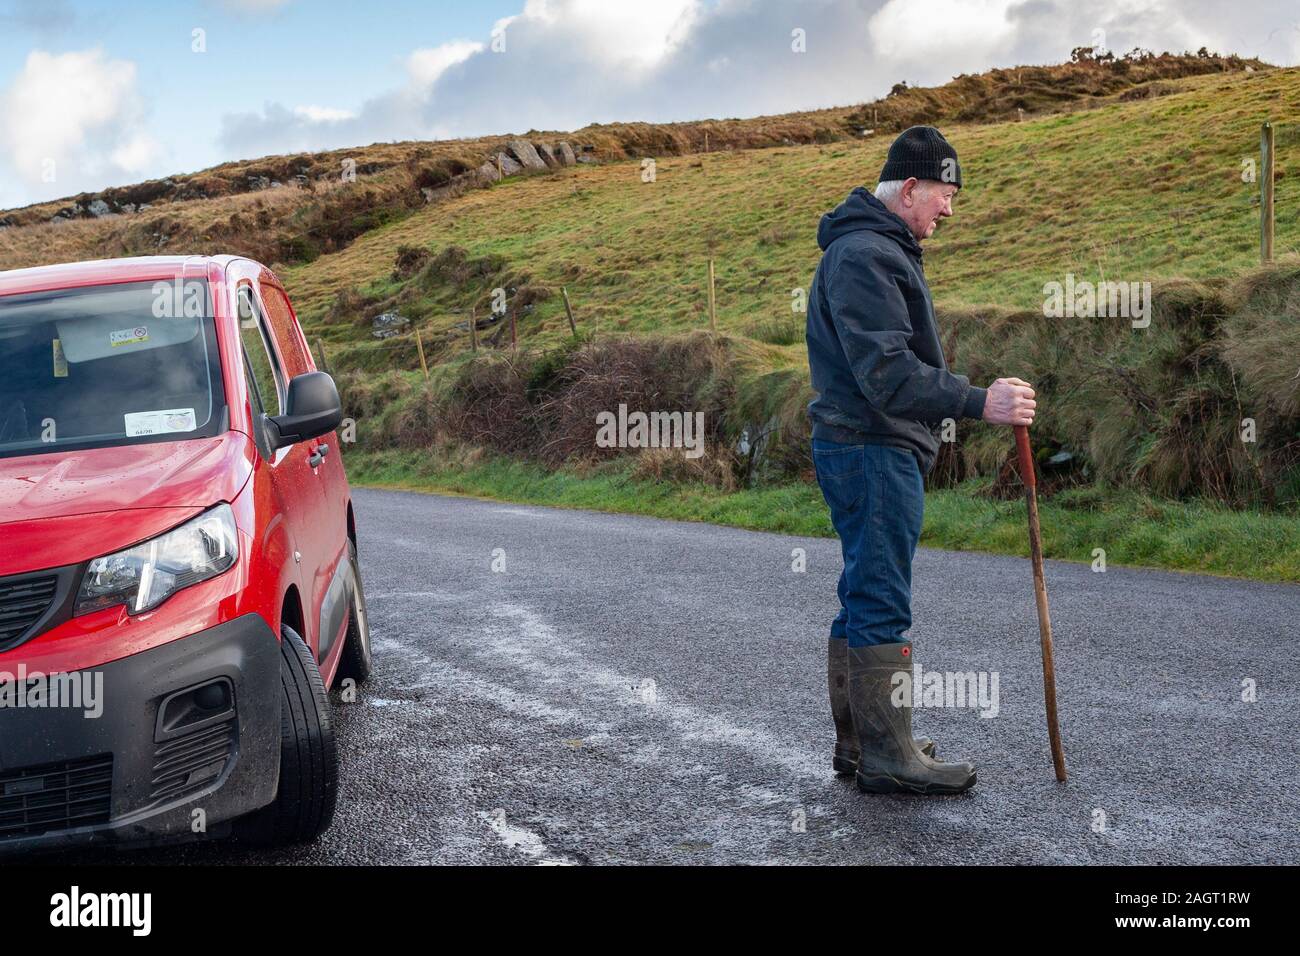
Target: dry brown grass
315,212
716,467
999,95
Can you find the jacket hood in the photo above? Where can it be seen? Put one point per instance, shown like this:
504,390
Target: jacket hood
862,212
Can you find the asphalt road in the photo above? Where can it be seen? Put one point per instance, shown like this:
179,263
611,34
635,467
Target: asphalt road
628,690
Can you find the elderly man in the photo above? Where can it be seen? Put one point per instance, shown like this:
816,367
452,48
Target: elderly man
883,390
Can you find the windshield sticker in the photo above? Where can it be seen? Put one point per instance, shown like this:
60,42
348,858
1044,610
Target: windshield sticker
129,336
162,422
60,360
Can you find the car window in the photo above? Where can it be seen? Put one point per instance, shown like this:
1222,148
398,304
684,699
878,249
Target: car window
267,380
120,364
254,390
280,319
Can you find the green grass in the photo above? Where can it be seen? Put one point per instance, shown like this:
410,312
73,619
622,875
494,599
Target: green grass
1136,191
1134,530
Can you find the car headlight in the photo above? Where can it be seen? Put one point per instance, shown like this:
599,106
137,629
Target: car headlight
144,576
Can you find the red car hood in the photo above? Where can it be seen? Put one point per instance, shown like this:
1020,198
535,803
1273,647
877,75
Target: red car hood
68,507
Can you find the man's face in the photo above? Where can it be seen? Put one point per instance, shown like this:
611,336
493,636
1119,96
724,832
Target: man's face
925,202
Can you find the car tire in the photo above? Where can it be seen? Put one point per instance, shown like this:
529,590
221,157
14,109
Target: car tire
303,807
355,661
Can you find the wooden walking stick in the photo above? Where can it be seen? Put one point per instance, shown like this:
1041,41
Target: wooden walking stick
1040,596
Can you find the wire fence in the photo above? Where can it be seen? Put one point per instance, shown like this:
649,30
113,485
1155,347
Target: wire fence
1058,256
329,354
1124,237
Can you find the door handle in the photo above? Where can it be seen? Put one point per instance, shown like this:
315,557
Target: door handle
318,455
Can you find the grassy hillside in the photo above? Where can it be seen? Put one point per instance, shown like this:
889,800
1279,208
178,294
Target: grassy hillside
1144,189
284,209
1131,191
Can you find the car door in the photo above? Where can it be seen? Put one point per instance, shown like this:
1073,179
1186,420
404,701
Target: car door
328,520
333,481
294,485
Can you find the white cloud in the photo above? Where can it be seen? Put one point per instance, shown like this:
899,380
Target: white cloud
571,54
78,114
135,155
964,35
323,114
1121,25
279,129
426,66
631,34
567,63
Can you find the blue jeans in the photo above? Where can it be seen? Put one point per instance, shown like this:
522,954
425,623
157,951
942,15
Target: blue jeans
876,494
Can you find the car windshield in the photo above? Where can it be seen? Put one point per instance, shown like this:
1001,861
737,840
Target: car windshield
121,364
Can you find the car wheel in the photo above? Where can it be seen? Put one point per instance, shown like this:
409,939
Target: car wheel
355,659
309,771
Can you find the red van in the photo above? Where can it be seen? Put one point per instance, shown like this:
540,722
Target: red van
178,560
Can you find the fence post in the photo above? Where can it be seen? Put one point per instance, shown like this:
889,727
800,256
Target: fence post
568,310
713,301
473,330
514,332
1266,193
324,359
419,345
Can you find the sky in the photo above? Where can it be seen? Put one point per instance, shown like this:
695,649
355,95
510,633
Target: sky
96,93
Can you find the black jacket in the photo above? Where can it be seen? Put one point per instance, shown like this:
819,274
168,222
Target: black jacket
873,346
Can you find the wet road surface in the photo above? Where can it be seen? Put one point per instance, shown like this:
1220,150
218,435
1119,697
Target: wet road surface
568,687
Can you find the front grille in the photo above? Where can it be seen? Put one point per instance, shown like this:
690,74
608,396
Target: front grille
55,796
188,764
22,603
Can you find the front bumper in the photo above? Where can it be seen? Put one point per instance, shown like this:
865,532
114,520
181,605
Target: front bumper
191,725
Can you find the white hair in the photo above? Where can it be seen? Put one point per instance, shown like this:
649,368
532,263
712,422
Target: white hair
888,190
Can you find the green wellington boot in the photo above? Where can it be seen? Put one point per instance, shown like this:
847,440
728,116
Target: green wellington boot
888,759
846,741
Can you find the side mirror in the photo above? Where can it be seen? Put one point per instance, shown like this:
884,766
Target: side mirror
312,409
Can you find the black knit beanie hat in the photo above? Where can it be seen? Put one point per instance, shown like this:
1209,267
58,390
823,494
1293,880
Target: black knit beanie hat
921,151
